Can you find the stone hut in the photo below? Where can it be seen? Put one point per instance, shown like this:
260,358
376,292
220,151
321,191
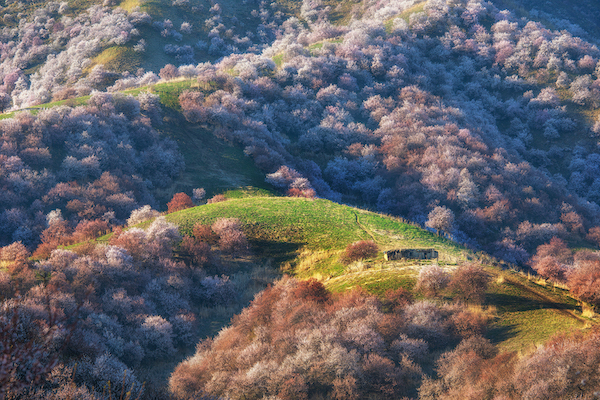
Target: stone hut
416,254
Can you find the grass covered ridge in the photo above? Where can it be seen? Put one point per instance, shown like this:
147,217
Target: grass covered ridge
307,237
291,230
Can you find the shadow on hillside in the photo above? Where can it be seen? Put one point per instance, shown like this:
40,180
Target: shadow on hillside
512,303
280,252
498,334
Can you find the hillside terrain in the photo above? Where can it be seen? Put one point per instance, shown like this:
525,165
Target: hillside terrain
151,280
196,197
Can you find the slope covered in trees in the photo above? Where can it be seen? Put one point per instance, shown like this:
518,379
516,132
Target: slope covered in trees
144,297
460,107
67,165
476,125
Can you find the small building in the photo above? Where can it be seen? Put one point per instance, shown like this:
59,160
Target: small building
415,254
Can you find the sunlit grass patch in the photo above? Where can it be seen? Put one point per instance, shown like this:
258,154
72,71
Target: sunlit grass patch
375,281
116,58
129,5
528,313
169,91
278,60
315,47
523,330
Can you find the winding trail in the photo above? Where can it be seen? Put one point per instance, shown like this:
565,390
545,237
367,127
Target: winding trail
364,228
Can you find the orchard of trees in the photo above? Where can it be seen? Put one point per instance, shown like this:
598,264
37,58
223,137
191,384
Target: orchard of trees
68,169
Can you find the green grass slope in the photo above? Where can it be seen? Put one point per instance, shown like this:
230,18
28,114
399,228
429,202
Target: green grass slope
305,238
308,236
210,162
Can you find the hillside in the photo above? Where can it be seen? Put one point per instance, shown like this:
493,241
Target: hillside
525,113
198,194
307,237
580,18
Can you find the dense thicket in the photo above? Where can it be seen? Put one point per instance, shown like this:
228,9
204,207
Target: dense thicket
456,115
295,342
66,165
82,320
291,344
58,51
563,368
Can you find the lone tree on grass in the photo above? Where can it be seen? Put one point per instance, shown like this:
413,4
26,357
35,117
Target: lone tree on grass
470,281
180,201
360,250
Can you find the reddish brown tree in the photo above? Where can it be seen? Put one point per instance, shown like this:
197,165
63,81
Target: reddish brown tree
16,259
552,260
359,251
198,251
204,233
556,248
180,201
312,290
584,281
594,235
87,229
397,299
469,282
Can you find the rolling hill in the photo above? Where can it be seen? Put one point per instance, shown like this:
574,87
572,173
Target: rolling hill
306,238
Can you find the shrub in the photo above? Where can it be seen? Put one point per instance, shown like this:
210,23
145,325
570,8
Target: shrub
231,238
204,233
397,299
432,279
312,290
198,251
594,235
360,250
469,282
297,192
142,214
90,229
216,199
180,201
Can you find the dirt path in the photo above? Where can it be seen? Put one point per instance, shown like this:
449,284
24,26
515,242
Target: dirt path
361,226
